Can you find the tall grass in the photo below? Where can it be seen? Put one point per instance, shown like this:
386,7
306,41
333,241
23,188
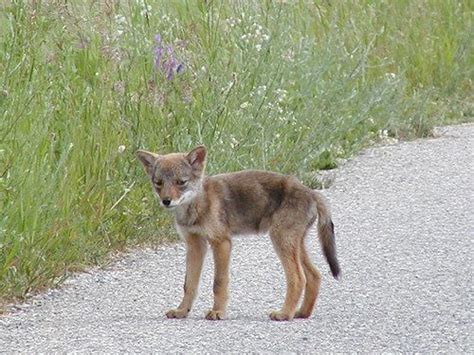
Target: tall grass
290,86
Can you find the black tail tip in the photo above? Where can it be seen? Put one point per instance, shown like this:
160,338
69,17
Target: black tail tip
330,254
335,271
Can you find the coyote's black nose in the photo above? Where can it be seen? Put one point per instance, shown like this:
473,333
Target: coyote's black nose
166,202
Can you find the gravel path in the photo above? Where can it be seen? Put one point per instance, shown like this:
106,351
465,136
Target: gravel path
404,224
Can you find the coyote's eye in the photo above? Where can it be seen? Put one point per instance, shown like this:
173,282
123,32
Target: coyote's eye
159,183
181,182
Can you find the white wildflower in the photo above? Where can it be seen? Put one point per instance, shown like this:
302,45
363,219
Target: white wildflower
121,149
121,22
261,90
257,36
232,21
144,8
281,94
383,134
120,19
233,142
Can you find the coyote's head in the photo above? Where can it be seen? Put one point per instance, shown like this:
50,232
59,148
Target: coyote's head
176,177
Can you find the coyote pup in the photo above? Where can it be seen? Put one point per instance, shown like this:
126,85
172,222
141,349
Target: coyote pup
211,209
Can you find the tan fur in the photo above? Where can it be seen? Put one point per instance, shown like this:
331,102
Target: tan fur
211,209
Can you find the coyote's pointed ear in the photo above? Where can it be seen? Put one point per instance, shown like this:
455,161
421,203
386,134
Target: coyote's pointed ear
148,160
197,157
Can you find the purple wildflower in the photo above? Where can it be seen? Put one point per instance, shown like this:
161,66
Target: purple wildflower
158,55
165,59
180,68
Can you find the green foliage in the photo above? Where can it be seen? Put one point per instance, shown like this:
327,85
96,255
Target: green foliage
290,86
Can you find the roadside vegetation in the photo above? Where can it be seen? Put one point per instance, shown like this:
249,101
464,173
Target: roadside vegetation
291,86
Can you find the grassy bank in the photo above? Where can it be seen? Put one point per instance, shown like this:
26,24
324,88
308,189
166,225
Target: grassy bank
290,86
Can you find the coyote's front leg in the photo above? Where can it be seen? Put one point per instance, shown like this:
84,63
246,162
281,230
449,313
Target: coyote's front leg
196,247
221,251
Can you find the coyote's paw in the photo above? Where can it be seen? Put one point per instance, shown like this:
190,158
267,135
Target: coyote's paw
279,316
215,315
177,313
300,314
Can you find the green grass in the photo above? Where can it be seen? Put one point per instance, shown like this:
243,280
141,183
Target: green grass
291,86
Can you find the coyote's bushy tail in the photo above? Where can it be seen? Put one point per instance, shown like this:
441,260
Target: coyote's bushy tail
326,234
